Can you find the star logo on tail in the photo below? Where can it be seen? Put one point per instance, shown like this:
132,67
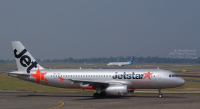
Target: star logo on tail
39,76
147,75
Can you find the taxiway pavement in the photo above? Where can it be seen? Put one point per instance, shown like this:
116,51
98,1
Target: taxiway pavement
33,100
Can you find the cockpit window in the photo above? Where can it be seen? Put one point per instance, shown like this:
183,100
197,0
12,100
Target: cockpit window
173,75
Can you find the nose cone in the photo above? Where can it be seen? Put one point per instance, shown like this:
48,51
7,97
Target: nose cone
181,81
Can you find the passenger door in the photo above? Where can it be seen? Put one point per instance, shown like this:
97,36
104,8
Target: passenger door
159,78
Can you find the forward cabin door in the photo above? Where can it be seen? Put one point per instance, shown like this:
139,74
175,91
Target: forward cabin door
159,78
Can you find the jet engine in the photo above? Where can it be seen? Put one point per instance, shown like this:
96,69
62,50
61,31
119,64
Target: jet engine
116,90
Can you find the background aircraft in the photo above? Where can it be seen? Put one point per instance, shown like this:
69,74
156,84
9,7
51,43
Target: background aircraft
120,64
105,81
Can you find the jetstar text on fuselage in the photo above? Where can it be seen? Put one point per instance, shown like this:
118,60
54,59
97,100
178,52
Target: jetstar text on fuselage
128,76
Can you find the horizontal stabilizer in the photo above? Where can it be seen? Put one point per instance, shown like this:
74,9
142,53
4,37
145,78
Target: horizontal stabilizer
19,73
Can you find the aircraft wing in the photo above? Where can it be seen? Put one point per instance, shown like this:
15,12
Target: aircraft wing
89,81
96,82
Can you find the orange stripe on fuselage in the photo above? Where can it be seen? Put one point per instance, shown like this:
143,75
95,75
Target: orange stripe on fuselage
90,87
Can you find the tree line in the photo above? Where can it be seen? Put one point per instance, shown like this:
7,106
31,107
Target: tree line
141,59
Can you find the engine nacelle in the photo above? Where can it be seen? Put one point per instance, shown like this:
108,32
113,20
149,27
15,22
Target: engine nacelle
116,90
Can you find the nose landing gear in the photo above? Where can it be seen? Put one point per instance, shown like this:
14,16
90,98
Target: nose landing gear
160,93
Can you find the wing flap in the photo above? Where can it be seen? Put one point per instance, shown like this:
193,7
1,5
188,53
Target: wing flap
89,81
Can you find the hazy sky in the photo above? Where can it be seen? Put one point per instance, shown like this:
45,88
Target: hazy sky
57,29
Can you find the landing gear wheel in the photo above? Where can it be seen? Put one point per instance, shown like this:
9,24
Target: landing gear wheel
96,95
160,95
102,94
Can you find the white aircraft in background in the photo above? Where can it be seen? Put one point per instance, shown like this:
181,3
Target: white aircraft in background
105,81
120,64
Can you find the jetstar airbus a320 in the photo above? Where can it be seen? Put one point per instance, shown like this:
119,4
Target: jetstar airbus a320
104,81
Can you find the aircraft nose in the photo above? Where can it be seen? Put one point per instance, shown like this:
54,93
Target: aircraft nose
181,81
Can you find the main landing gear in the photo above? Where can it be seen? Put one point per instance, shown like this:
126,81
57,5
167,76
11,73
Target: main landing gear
160,93
102,94
98,95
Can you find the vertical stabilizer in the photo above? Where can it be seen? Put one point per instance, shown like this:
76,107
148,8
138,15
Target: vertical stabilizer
24,60
131,61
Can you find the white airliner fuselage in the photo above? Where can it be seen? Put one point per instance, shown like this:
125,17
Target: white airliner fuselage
105,81
120,64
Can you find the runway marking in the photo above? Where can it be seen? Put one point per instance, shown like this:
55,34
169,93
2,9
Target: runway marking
194,102
92,104
103,103
62,103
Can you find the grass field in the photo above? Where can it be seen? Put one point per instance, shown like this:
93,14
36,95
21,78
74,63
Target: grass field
11,83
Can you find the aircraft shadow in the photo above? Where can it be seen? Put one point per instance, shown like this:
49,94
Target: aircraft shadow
106,97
